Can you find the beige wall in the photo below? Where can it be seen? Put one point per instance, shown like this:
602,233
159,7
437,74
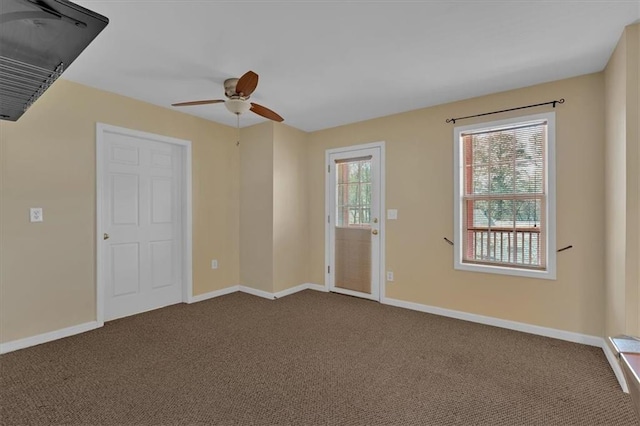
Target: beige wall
616,184
273,207
290,208
47,278
419,158
256,207
632,275
622,198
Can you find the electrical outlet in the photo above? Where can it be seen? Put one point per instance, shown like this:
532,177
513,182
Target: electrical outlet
35,214
389,275
214,264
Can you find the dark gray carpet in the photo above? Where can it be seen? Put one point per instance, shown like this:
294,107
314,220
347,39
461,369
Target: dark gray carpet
309,358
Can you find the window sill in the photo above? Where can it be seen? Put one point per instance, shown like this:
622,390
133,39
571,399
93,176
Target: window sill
547,274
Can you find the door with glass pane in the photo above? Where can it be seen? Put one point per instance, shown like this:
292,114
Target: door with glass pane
354,222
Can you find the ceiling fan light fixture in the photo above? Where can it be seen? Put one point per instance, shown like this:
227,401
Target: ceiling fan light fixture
237,106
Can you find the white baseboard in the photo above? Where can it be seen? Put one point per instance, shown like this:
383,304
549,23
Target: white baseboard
317,287
256,292
289,291
301,287
614,362
47,337
497,322
212,294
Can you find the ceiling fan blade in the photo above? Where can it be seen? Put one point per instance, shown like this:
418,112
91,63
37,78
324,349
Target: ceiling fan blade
265,112
210,101
247,83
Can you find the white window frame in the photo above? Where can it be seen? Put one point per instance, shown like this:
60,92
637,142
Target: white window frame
550,206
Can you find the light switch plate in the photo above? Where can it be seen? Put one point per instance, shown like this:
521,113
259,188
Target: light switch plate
214,264
392,214
35,214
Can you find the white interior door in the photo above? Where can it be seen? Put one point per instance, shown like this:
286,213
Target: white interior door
142,224
354,222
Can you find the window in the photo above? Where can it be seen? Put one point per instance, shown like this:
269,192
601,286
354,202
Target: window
353,192
505,197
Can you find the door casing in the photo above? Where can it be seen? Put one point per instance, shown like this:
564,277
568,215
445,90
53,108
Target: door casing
328,252
186,201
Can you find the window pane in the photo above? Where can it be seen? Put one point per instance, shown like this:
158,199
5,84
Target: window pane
480,145
493,237
353,197
528,213
530,143
365,171
526,250
501,213
365,194
501,147
529,176
502,179
354,172
480,214
341,196
480,182
353,193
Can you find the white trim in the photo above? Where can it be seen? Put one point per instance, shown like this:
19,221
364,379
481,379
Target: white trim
569,336
99,251
550,191
259,293
382,220
614,362
38,339
317,287
327,225
256,292
212,294
187,222
291,290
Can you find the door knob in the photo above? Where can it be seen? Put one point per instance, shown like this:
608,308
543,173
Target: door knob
374,232
105,236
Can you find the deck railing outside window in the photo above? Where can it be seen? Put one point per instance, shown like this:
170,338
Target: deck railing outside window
503,245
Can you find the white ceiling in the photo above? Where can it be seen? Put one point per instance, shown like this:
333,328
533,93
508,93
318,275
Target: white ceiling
327,63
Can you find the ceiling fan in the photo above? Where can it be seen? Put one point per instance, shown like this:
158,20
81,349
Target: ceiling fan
238,91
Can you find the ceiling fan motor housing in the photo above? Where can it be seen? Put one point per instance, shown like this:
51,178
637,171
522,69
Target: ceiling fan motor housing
230,87
237,106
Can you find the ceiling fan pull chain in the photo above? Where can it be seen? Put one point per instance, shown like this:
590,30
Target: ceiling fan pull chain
238,127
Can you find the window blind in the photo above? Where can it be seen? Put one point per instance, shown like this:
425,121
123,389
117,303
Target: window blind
504,195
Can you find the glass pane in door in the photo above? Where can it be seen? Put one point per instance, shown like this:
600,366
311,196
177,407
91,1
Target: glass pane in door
353,225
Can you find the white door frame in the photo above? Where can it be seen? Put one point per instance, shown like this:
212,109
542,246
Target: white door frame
187,238
328,212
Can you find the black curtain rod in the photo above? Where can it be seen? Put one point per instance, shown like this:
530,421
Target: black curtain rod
453,120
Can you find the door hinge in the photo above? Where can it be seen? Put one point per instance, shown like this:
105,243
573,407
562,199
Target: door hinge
328,168
329,269
328,219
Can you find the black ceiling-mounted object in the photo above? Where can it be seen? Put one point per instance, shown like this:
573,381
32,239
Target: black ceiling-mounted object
39,39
